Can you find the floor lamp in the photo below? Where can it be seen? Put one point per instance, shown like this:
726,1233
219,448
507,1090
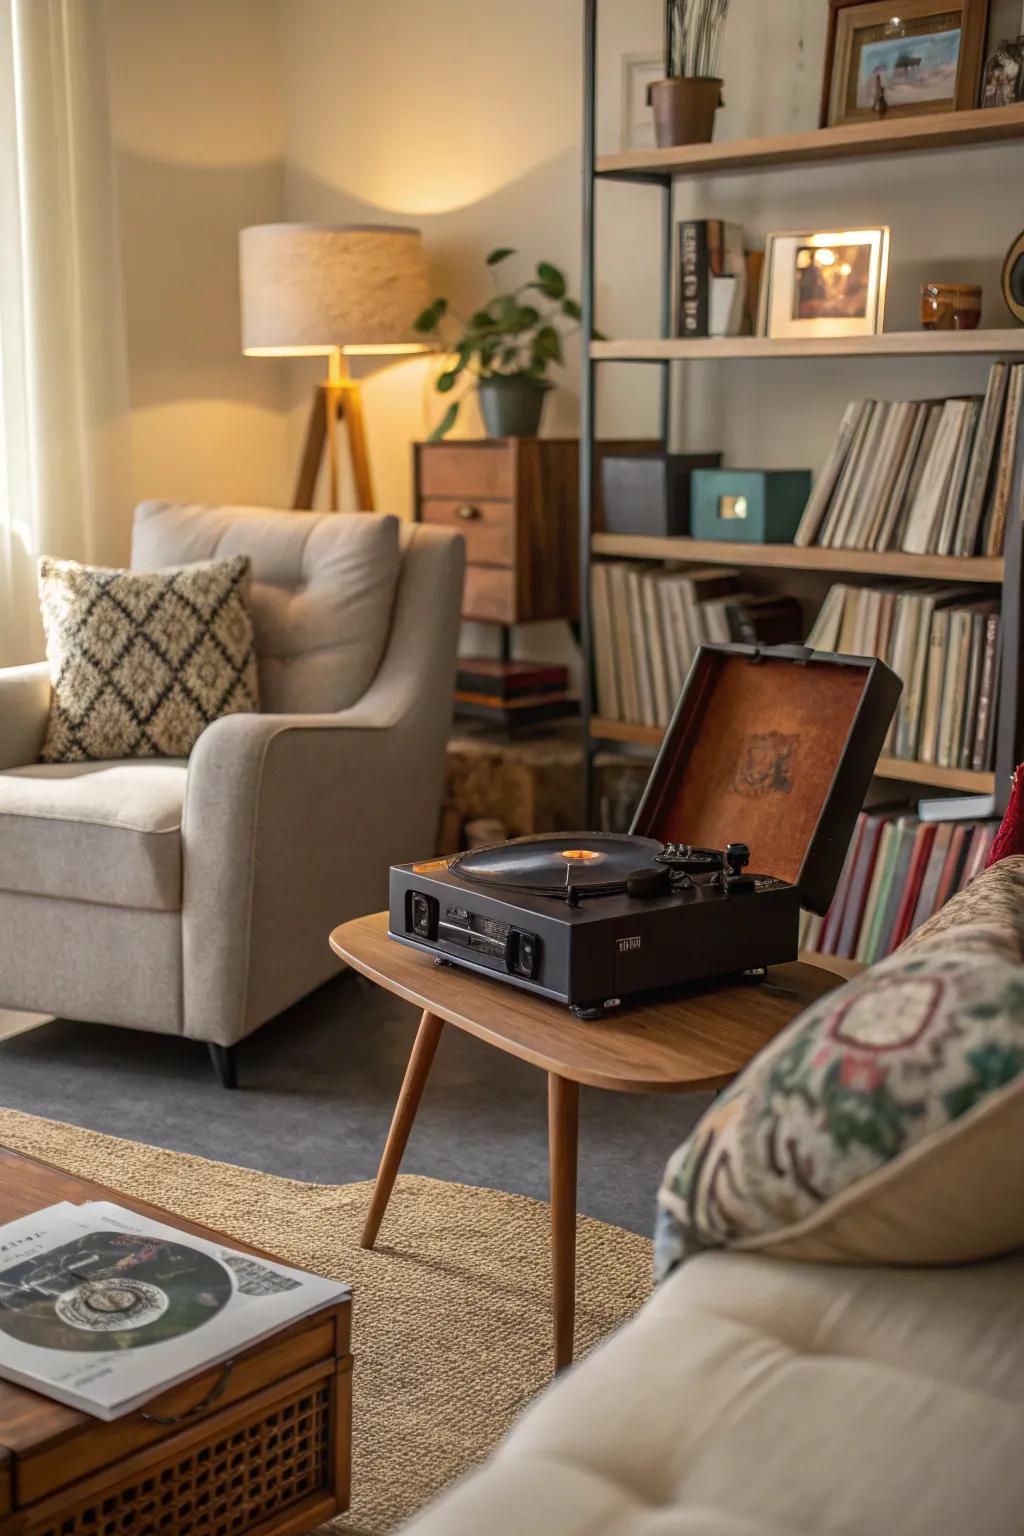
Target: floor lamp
334,291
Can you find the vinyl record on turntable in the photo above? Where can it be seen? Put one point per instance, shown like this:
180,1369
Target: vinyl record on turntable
589,861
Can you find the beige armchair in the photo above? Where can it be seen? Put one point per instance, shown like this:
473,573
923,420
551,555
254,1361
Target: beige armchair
196,898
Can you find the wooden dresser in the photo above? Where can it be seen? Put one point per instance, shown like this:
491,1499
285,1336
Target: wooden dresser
516,500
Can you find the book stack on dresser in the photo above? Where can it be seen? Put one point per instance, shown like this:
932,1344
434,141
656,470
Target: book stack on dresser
512,694
928,477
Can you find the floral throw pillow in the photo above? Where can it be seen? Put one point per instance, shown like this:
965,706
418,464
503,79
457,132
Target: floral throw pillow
142,661
885,1124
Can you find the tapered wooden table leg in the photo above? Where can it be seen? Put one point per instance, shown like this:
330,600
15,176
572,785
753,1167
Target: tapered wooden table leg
424,1046
563,1139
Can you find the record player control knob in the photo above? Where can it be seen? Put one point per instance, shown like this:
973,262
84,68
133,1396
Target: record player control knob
737,857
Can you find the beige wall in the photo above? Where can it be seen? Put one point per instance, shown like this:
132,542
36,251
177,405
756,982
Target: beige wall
195,100
444,116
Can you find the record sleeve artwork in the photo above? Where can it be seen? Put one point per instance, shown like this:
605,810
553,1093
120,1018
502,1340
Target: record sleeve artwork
112,1290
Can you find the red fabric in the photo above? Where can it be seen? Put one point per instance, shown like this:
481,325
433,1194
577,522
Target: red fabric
1010,837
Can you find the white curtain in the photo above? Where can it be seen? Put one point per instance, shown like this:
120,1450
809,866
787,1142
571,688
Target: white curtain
64,421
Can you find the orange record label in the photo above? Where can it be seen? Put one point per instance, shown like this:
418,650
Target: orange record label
430,866
581,855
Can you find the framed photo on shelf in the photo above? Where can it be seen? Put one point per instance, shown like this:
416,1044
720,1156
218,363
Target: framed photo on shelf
887,61
824,283
639,70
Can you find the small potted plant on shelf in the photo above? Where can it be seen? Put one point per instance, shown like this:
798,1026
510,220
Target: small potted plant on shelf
685,104
506,347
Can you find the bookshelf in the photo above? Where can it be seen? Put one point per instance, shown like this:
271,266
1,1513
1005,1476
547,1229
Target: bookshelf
663,169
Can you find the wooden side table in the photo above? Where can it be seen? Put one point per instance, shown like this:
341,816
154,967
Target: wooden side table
696,1039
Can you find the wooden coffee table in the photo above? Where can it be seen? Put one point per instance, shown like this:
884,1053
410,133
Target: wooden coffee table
700,1038
260,1448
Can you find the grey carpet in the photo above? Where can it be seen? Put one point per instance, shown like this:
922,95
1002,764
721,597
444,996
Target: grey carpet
317,1089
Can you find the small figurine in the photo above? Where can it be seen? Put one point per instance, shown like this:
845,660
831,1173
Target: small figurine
1004,75
880,104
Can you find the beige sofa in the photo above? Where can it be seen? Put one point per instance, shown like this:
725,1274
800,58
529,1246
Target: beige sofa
196,899
758,1397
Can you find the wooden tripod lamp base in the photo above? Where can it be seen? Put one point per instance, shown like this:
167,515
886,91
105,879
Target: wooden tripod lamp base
336,399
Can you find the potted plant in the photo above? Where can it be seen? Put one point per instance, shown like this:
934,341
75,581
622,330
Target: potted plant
506,347
685,104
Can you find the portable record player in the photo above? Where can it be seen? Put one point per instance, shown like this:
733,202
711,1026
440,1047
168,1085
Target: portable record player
764,768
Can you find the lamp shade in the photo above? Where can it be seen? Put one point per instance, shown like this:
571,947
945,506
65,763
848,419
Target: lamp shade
309,288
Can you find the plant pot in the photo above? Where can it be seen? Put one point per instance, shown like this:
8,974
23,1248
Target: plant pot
684,110
511,407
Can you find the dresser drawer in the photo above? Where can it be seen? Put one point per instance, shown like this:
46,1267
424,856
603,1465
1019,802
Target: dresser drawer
488,527
490,594
467,470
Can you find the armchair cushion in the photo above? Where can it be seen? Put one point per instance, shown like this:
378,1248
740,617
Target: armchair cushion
94,832
141,663
322,593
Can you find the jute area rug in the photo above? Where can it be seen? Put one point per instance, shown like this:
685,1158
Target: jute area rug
452,1328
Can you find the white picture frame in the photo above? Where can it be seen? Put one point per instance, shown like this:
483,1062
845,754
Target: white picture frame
826,283
639,70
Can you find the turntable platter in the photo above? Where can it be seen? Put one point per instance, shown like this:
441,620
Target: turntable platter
588,861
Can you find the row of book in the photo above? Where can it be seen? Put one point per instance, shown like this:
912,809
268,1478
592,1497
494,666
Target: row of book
898,871
943,642
649,619
923,476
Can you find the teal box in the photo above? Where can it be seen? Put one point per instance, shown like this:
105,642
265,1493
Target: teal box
748,506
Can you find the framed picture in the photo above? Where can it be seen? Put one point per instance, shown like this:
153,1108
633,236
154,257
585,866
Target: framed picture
639,70
824,283
926,58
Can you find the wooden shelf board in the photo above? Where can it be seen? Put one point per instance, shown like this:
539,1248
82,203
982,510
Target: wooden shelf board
980,343
936,131
790,557
888,767
936,777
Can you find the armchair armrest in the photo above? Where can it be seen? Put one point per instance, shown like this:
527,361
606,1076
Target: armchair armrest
291,821
24,711
290,826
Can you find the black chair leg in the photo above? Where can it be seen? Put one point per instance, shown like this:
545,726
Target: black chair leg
225,1064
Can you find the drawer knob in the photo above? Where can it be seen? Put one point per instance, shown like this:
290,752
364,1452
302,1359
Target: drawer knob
467,514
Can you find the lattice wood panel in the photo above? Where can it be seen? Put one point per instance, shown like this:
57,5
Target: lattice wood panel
254,1470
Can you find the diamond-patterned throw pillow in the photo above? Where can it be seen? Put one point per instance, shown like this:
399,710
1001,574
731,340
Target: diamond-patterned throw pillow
142,661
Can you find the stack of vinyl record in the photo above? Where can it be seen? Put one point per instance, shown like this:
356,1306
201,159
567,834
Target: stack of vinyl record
512,694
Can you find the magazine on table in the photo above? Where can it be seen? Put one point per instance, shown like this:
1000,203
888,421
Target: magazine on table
103,1309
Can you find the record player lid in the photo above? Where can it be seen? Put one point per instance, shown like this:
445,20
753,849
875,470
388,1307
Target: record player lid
774,748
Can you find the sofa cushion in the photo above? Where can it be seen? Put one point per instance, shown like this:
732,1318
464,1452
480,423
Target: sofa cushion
94,832
323,587
884,1124
141,663
758,1397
